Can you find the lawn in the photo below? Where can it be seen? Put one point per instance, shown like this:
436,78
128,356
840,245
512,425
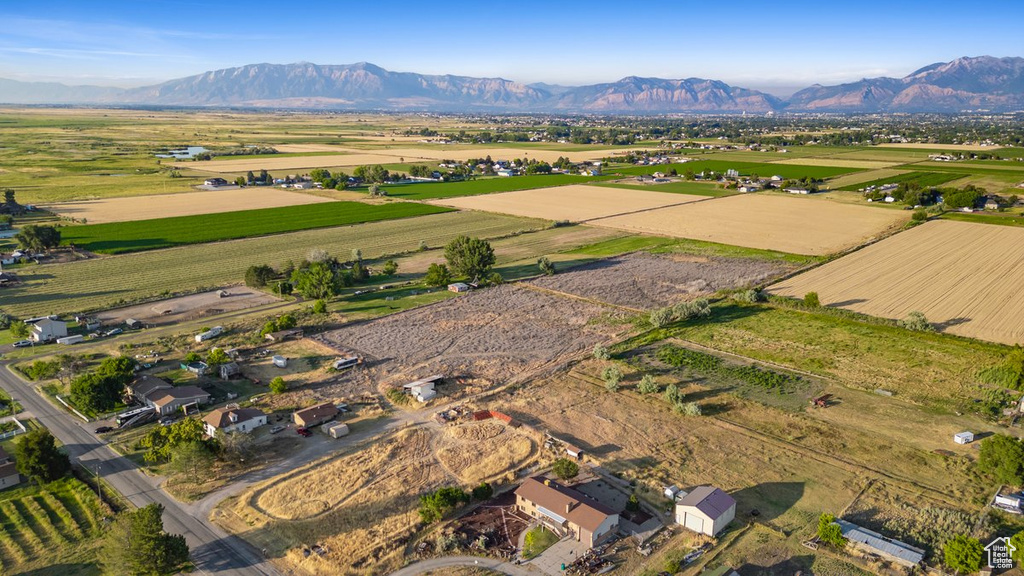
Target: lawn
123,237
791,171
537,540
433,190
924,179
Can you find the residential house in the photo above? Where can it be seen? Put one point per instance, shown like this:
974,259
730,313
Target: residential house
233,419
874,543
140,389
167,400
705,510
48,330
215,182
8,471
315,415
567,512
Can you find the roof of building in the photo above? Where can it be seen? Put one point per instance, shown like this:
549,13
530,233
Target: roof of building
164,397
47,322
4,456
582,511
221,417
317,412
723,570
7,470
874,540
713,502
146,384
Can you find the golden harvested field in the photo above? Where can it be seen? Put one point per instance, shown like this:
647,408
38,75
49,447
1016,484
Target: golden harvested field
273,164
838,163
965,147
480,451
813,226
577,203
861,177
185,204
966,278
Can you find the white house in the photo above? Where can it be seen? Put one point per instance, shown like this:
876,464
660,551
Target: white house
8,471
706,510
963,437
233,419
47,330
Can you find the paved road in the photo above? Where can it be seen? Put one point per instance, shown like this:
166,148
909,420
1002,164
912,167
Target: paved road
213,551
434,563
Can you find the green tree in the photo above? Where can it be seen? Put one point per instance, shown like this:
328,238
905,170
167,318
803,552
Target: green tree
160,441
483,491
469,257
320,307
135,544
318,282
240,181
38,238
633,504
439,503
437,275
916,321
601,352
1003,457
190,460
546,266
36,456
963,554
565,469
259,276
672,394
95,391
216,357
829,532
278,385
42,369
660,317
611,376
390,268
19,329
194,357
647,385
286,322
1017,540
270,326
811,300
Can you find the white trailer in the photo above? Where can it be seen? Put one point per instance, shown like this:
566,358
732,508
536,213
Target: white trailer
963,437
211,333
75,339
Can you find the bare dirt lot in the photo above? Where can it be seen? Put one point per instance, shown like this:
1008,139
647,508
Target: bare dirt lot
813,226
188,307
966,278
577,203
644,281
495,334
185,204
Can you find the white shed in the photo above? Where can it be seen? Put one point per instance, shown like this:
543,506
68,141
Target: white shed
706,510
963,437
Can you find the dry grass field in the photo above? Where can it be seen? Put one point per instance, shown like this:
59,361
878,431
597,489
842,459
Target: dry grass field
861,177
481,451
184,204
967,278
838,163
813,226
576,203
281,165
919,146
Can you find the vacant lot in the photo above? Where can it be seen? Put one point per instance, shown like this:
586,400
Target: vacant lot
798,225
481,451
967,278
86,285
574,203
185,204
188,307
495,334
644,281
122,237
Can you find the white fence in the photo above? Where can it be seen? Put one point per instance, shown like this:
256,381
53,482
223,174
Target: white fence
11,434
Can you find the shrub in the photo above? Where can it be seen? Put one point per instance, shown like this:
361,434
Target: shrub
437,275
483,491
278,385
687,408
320,307
751,296
565,469
546,266
601,352
647,385
811,300
829,532
612,376
916,321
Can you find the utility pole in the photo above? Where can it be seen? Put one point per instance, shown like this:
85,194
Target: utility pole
99,484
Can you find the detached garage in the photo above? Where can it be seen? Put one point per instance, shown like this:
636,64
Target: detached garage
706,510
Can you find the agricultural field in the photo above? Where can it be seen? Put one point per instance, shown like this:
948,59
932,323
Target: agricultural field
492,335
838,163
572,203
931,147
765,169
695,188
813,226
924,179
644,281
86,285
55,525
184,204
429,191
967,278
855,180
139,235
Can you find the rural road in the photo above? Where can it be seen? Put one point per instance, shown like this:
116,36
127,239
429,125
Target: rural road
490,563
212,550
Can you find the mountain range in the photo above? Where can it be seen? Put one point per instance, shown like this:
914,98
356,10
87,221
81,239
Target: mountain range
970,83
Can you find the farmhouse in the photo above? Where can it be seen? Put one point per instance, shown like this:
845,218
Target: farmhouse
233,419
167,400
567,511
48,330
8,471
874,543
315,415
423,389
706,510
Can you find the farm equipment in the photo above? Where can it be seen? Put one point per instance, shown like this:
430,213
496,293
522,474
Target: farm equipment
821,401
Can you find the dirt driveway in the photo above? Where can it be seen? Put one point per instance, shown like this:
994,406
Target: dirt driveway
188,307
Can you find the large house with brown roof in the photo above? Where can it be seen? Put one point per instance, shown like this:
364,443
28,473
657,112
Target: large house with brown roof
234,419
567,511
8,471
315,415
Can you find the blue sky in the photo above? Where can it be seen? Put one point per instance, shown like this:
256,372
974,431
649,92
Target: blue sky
777,46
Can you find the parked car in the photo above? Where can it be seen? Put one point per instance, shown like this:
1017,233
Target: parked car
104,429
114,332
22,343
304,432
276,429
167,421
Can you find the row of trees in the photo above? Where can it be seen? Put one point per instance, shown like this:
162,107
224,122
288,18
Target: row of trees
37,238
319,277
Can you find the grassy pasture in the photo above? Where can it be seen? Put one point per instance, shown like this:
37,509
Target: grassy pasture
123,237
744,168
924,179
436,190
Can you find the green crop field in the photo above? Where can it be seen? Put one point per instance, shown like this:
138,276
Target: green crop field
999,218
922,178
53,525
793,171
123,237
88,285
432,190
